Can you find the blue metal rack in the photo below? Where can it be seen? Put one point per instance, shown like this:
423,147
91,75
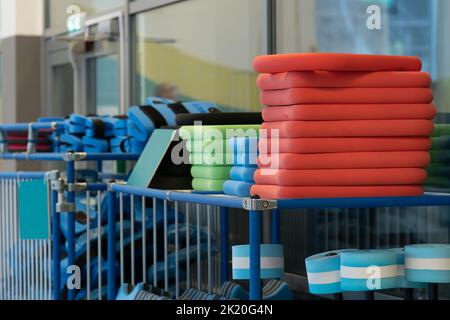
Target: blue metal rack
255,207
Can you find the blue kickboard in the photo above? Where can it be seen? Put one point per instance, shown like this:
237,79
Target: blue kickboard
151,158
33,210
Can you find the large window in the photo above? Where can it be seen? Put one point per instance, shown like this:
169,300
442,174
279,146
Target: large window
57,10
408,27
200,50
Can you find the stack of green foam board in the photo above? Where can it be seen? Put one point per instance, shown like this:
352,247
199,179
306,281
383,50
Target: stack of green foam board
210,155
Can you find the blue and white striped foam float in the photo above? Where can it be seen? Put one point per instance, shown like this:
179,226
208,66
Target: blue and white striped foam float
272,262
402,282
368,270
324,272
428,263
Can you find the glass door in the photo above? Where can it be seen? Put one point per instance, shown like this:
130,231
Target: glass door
86,70
104,66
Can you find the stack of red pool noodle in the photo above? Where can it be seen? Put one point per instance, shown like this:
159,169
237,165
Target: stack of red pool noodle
349,126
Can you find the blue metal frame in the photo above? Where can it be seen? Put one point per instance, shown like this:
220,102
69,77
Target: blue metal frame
33,126
224,231
427,200
111,246
219,200
56,243
70,172
22,175
255,255
255,229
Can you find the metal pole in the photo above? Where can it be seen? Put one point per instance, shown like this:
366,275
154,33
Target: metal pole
255,255
276,234
111,245
224,231
433,291
70,168
56,239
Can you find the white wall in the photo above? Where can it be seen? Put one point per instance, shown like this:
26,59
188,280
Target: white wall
21,17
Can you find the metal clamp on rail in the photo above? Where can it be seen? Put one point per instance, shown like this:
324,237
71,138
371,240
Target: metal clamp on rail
118,182
75,156
76,187
250,204
3,142
59,185
32,139
52,175
65,207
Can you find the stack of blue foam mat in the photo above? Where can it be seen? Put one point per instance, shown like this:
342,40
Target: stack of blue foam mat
243,171
91,134
125,133
416,266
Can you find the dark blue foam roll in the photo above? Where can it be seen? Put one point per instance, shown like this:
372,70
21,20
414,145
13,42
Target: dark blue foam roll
237,188
245,174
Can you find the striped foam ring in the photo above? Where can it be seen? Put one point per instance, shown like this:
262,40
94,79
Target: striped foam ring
429,263
272,262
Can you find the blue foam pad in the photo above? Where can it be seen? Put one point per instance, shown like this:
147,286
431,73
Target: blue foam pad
76,124
50,119
142,126
120,125
128,292
273,290
157,100
82,208
69,142
99,128
126,145
237,188
199,106
182,258
94,145
245,174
